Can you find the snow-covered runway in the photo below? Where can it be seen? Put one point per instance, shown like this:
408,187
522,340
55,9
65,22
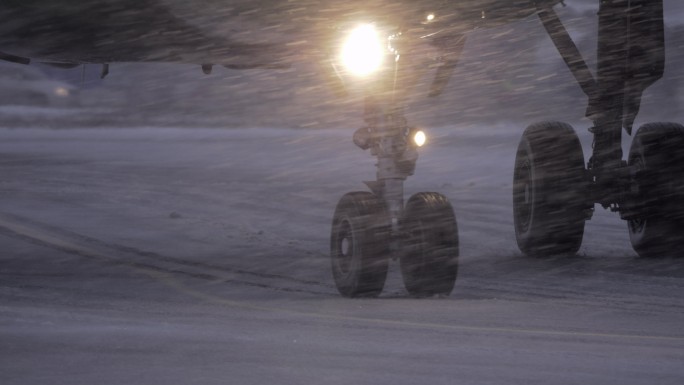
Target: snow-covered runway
178,256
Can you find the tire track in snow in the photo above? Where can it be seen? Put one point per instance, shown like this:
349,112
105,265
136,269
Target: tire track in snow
63,240
625,284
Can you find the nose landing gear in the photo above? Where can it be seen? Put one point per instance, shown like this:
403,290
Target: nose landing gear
369,229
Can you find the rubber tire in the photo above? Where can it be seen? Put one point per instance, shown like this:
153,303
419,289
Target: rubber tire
549,191
658,151
429,259
359,245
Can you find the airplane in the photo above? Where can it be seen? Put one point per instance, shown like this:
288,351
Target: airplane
379,45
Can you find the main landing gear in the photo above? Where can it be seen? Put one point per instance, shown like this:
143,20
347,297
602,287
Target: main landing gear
553,193
371,228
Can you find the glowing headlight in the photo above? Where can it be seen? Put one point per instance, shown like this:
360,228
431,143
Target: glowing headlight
419,138
363,50
62,91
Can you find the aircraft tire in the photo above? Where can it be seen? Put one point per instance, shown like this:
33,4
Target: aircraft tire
359,245
549,191
429,255
657,151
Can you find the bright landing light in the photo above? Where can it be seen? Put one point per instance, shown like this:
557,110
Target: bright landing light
362,52
61,91
419,138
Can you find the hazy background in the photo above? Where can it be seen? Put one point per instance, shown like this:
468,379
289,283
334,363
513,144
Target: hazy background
507,74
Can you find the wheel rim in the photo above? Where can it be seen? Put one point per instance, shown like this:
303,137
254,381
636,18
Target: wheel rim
523,194
344,248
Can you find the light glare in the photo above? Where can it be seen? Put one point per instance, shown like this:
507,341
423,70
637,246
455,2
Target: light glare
362,52
419,138
61,91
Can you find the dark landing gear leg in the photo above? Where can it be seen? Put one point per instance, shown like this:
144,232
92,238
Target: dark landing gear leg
648,189
371,228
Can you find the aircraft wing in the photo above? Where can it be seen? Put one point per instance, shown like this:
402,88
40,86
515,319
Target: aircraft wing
108,31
